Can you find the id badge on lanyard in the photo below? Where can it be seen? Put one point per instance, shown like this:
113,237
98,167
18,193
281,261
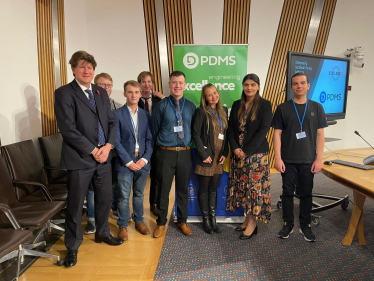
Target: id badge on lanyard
302,133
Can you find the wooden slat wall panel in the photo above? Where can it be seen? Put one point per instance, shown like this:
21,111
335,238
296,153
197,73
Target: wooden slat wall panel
46,65
61,38
235,22
178,24
291,35
324,27
152,42
46,62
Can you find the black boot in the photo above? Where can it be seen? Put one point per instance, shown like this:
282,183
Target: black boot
212,211
203,203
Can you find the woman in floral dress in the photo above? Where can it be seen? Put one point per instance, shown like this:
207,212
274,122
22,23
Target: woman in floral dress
249,182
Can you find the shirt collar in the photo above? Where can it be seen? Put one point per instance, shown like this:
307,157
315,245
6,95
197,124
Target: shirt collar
137,110
83,87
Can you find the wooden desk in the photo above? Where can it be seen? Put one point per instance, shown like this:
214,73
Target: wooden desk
360,181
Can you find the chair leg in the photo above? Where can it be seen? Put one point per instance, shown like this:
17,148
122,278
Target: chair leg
19,262
27,252
9,256
34,245
50,225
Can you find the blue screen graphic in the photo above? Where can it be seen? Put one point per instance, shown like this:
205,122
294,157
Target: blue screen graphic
327,78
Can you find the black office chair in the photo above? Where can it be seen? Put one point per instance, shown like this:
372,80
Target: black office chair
51,147
16,237
25,165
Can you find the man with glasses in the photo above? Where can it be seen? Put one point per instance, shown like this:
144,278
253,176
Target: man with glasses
104,80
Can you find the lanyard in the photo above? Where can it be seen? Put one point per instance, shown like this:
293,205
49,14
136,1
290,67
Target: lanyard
219,120
133,124
176,115
298,117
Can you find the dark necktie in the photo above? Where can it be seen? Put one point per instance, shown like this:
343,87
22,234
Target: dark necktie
93,103
178,111
146,105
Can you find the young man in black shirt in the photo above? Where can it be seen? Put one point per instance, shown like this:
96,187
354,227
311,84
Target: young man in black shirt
298,146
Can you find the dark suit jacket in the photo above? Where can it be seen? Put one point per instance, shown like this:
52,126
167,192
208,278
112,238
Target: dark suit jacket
204,140
255,132
78,124
155,100
125,139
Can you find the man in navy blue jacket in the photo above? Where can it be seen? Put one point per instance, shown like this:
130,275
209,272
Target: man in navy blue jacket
134,150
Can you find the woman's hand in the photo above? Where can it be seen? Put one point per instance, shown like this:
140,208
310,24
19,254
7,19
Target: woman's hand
222,160
208,160
238,152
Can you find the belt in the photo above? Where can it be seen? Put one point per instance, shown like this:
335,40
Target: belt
136,153
174,148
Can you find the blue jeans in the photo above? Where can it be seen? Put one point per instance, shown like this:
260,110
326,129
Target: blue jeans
138,180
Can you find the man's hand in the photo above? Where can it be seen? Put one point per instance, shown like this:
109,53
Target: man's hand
102,155
208,160
317,166
158,95
140,163
279,165
134,166
222,160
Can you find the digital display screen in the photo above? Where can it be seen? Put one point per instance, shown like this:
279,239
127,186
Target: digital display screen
328,78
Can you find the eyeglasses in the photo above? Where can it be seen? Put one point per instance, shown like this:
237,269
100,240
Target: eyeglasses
105,85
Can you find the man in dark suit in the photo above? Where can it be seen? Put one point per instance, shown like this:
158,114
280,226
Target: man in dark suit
134,150
87,126
148,102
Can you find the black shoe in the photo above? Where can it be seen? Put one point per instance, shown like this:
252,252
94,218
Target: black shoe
207,226
245,237
90,227
239,228
110,240
214,225
286,230
306,231
71,258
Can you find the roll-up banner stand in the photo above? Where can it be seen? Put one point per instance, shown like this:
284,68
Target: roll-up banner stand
225,66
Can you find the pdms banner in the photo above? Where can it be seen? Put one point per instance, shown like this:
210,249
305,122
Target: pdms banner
224,66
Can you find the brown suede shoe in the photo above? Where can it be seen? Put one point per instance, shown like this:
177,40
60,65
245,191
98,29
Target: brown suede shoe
159,231
186,230
154,210
122,234
143,229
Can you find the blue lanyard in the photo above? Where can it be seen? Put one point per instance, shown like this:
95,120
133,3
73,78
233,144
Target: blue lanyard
176,115
219,120
133,124
297,113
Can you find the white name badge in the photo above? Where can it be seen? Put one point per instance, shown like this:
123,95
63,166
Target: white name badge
300,135
221,136
178,129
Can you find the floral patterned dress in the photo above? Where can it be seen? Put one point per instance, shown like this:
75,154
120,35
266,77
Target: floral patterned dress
249,182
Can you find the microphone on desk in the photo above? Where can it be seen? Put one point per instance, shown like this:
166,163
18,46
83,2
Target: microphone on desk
370,159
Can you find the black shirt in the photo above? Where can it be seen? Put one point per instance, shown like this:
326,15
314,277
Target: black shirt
293,150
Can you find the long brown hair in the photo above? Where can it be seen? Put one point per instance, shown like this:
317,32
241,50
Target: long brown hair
219,107
256,101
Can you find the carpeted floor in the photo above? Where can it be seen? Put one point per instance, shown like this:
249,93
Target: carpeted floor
267,257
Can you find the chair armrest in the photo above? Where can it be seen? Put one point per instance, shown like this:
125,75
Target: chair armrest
8,212
46,193
54,168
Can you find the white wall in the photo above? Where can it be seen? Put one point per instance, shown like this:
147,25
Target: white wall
114,33
20,117
352,26
263,26
207,20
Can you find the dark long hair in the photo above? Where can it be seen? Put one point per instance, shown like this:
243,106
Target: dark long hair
255,102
